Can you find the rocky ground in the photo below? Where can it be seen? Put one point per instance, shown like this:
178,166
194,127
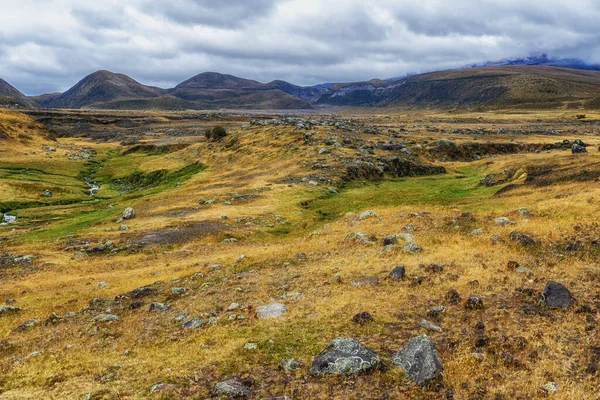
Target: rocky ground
406,255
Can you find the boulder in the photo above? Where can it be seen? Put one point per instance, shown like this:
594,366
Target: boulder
419,358
474,303
4,309
503,221
556,295
345,356
194,323
129,213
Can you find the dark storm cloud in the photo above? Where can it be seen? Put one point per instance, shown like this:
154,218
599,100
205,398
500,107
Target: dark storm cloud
50,45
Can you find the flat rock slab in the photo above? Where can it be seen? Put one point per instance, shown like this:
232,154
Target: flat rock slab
419,358
270,310
345,356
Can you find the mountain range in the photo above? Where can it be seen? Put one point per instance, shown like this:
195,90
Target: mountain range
533,82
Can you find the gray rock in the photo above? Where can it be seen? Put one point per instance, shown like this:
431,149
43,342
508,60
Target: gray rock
177,291
129,213
194,323
47,193
158,307
503,221
159,387
435,311
367,214
30,323
397,273
289,364
525,240
474,303
412,248
419,358
430,326
270,310
123,228
551,387
524,212
577,148
359,237
105,318
556,295
345,356
4,309
232,388
102,284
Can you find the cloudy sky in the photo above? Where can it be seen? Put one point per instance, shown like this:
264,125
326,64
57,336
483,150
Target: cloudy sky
49,45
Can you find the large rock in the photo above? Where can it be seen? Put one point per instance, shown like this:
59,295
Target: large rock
397,273
129,213
577,148
419,358
345,356
556,295
138,293
270,310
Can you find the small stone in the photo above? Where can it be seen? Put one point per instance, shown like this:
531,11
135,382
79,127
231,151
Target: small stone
289,364
551,387
452,297
4,309
474,303
270,310
362,318
178,291
367,214
26,325
194,323
430,326
123,228
478,356
159,387
129,213
503,221
411,248
105,318
158,307
397,273
251,346
102,284
233,307
435,311
232,388
523,270
525,240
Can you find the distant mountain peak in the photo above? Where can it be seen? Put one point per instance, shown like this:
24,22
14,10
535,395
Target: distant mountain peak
542,59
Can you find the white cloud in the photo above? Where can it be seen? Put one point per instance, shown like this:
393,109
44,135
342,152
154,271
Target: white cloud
49,45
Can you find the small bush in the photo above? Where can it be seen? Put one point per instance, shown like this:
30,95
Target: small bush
215,134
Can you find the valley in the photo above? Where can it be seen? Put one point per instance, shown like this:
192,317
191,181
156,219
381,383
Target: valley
217,268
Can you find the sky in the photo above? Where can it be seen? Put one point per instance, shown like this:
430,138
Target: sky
49,45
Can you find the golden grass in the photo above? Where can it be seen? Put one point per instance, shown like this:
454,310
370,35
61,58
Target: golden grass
150,347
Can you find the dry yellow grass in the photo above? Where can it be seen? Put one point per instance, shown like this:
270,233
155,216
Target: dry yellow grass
74,357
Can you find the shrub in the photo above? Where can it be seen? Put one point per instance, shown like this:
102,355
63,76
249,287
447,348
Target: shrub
215,134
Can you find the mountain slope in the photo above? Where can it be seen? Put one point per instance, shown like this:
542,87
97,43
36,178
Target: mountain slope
101,87
214,90
507,86
10,96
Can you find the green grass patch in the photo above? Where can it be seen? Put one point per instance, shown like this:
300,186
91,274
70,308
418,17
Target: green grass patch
457,188
145,180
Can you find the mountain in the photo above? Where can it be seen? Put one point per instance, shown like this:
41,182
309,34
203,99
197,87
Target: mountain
11,97
494,87
214,90
101,87
543,60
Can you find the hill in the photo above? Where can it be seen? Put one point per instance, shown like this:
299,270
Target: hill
495,87
101,87
11,97
214,90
